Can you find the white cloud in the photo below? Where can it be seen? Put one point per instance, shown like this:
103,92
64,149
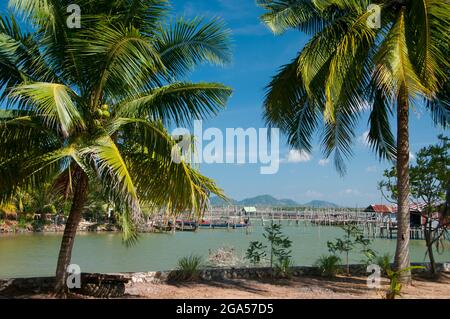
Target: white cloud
313,194
371,169
412,157
350,191
323,161
363,139
296,156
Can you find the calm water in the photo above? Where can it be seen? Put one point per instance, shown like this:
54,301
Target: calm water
25,255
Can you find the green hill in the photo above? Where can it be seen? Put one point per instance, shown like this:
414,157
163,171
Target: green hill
268,200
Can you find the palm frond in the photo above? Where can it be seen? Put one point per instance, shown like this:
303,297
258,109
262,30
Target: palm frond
427,37
358,6
122,58
145,15
160,181
286,106
36,10
393,65
20,58
23,136
54,102
178,102
10,74
144,135
34,171
285,14
439,107
114,175
336,72
185,44
176,187
338,137
380,136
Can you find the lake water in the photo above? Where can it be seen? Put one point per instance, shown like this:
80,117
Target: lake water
25,255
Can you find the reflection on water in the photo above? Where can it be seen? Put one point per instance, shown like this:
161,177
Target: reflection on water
36,254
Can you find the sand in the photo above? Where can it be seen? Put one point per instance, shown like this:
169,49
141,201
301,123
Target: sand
341,287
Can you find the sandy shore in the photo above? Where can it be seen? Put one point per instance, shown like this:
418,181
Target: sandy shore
305,287
341,287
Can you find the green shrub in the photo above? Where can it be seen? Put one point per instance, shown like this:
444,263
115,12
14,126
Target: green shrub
22,224
279,244
278,251
395,287
187,269
255,253
283,268
384,262
329,266
353,237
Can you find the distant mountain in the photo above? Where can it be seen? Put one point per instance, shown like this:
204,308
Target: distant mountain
217,201
268,200
320,204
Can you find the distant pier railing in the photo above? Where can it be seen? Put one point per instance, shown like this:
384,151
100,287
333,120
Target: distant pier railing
373,226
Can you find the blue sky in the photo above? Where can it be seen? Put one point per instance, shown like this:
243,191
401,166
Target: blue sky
257,55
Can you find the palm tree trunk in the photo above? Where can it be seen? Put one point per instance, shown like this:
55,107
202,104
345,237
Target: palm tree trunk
429,243
402,260
65,252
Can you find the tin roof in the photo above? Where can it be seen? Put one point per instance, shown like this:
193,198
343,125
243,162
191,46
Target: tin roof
376,208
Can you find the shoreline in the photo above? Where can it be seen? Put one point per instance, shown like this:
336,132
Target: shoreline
234,283
221,273
13,227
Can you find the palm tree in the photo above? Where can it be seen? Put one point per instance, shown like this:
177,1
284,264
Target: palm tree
348,67
91,104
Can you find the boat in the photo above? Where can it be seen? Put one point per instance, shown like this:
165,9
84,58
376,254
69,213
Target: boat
222,224
180,225
186,225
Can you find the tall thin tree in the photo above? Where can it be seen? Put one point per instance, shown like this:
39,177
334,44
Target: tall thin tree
350,66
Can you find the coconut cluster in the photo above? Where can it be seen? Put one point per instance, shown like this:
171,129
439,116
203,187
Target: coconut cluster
102,113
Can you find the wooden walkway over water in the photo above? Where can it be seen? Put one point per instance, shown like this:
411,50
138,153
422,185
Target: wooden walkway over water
372,227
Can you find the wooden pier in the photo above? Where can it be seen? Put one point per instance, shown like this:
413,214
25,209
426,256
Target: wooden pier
372,227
